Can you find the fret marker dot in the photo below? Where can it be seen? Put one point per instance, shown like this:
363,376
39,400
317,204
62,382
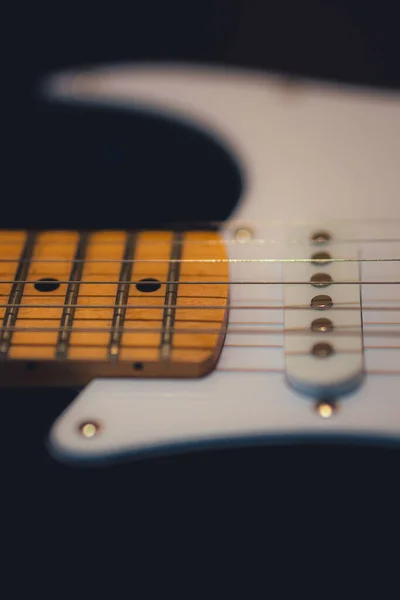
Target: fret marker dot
46,284
148,285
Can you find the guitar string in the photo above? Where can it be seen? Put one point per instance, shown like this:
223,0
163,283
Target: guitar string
216,242
281,371
51,295
339,331
232,323
378,372
370,304
345,306
202,307
138,349
194,347
225,282
321,261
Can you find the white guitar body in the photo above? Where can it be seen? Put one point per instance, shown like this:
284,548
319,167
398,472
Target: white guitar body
313,157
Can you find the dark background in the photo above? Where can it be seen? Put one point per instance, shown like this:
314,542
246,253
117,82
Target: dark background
354,40
305,503
60,165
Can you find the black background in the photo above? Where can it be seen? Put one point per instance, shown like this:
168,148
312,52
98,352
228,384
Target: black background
311,504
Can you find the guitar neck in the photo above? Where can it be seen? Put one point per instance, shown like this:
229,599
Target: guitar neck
78,305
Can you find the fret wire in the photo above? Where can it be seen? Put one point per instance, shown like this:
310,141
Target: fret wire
15,296
171,295
71,297
121,298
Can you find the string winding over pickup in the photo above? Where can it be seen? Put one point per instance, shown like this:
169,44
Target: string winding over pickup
75,306
323,319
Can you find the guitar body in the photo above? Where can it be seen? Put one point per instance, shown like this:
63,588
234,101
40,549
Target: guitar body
313,158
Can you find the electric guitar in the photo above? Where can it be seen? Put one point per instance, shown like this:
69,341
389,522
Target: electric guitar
280,324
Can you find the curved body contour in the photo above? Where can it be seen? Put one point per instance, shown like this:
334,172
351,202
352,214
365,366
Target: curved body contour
313,157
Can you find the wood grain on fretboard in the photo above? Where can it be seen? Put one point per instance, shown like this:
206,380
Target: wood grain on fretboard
97,321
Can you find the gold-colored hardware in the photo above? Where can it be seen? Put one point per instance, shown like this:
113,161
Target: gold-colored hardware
89,429
243,235
325,409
